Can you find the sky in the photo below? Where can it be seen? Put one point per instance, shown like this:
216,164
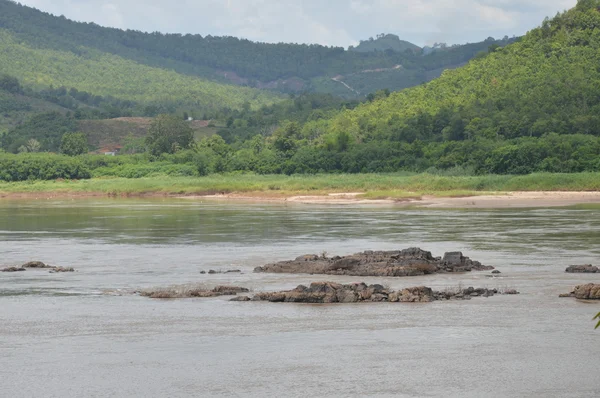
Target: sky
328,22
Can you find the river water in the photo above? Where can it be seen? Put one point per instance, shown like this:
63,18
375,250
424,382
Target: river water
83,335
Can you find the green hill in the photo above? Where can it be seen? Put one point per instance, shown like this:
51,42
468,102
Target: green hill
547,82
281,67
528,107
107,74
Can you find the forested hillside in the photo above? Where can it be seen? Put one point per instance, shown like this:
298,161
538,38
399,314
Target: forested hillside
532,106
283,67
107,74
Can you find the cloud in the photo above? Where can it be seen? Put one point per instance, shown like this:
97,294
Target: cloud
332,22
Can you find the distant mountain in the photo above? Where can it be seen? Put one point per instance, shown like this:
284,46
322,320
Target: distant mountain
385,42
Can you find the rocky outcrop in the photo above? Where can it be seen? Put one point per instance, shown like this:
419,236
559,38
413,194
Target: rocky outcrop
582,269
331,292
189,291
13,269
590,291
408,262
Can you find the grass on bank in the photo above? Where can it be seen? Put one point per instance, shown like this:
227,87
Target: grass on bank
372,185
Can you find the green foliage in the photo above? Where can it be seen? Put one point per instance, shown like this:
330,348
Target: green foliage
73,144
9,103
47,128
10,84
32,166
169,134
133,145
548,82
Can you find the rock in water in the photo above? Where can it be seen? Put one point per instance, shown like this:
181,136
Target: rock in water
582,269
590,291
331,292
408,262
189,291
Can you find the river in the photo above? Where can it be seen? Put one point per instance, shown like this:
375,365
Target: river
85,335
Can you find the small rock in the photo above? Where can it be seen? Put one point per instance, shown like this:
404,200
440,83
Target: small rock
510,291
582,269
496,272
56,270
212,271
203,272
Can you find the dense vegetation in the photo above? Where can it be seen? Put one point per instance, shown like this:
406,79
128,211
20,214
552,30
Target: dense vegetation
41,167
110,75
209,57
530,107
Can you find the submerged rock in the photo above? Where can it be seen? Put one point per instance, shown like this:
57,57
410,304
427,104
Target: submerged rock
582,269
591,291
56,270
408,262
331,292
229,271
14,269
241,298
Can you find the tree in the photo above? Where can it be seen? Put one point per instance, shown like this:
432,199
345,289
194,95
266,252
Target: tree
10,84
33,145
169,134
73,144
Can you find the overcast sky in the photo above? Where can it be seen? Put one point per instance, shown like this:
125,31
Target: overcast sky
329,22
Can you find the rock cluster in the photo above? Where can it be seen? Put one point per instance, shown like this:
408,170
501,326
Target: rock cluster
408,262
188,291
582,269
331,292
590,291
39,265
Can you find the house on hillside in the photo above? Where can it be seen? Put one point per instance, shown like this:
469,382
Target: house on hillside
110,150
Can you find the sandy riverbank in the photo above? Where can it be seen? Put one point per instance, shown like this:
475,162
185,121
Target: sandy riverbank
480,201
492,200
